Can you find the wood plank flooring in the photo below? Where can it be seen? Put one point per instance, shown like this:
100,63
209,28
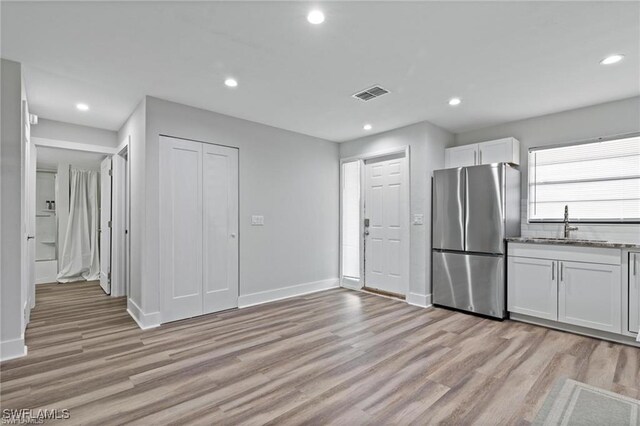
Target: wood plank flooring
335,357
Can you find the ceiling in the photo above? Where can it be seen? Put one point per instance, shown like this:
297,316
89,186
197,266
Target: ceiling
49,158
506,60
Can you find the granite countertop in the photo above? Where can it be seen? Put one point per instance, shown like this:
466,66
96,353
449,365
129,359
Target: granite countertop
573,242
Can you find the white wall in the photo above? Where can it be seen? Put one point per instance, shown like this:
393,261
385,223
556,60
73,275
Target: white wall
290,178
427,143
134,129
59,130
606,119
12,295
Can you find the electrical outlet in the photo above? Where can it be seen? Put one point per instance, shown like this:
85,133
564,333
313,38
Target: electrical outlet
418,219
257,220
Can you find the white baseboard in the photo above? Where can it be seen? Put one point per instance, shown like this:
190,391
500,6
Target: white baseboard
144,321
421,300
12,349
46,271
351,283
286,292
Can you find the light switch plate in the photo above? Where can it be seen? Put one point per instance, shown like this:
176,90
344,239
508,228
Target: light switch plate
257,220
418,219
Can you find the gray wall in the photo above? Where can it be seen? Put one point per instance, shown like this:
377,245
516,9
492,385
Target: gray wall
12,294
290,178
427,143
59,130
606,119
134,128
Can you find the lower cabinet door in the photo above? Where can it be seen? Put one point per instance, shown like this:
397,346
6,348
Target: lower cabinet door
634,292
532,287
589,295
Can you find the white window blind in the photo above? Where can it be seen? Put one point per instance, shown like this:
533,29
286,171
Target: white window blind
351,219
599,181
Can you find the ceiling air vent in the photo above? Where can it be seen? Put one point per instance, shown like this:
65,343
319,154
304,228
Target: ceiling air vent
370,93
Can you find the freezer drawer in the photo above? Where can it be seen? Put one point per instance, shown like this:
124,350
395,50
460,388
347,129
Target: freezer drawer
448,209
474,283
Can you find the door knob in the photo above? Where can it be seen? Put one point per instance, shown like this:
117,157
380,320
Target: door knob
366,232
30,237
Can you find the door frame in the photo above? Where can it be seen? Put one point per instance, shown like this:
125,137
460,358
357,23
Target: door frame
406,267
121,219
75,146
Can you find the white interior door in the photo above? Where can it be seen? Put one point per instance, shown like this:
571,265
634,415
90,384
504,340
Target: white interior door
105,225
181,228
220,227
387,234
119,225
29,266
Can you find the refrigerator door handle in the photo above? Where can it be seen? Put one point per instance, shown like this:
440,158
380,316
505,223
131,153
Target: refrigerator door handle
465,213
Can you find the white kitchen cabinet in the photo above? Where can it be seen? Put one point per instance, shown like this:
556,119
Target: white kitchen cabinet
505,150
533,287
461,156
634,292
572,285
589,295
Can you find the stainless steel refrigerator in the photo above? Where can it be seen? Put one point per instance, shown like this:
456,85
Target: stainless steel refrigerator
474,209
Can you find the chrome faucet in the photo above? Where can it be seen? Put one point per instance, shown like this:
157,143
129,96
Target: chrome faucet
567,227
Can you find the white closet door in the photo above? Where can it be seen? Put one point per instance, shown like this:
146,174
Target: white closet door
180,228
220,227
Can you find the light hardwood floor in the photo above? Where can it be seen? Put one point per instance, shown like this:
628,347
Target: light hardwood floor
335,357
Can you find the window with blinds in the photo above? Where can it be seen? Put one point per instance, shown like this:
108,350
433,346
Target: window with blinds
599,181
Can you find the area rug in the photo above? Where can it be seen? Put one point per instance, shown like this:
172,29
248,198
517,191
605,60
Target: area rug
575,403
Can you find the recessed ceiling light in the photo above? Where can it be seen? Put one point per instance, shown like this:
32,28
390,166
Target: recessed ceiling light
315,17
82,107
231,82
613,59
455,101
367,127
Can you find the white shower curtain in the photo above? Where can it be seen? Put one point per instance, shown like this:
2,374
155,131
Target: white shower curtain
80,259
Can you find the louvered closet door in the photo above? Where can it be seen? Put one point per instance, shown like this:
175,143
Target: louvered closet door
180,228
220,245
